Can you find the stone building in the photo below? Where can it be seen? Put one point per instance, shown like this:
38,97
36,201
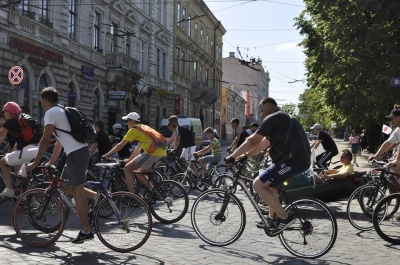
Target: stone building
197,68
250,79
106,59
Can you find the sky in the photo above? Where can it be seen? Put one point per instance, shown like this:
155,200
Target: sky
265,29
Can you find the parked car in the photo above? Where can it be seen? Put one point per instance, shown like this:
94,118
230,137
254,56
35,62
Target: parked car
311,136
303,185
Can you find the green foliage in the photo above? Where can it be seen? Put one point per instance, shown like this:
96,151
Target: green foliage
353,51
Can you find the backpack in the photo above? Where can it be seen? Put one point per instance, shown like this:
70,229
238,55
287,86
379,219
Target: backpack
31,130
157,139
81,129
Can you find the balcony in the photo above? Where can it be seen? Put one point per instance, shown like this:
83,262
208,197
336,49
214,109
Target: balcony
203,93
123,71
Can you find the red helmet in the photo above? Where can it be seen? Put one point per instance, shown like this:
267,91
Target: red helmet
12,107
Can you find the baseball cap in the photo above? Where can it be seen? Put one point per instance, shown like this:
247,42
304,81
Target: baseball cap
12,107
117,126
132,116
316,126
394,112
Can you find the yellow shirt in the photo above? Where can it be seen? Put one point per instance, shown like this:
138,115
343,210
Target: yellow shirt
144,140
346,168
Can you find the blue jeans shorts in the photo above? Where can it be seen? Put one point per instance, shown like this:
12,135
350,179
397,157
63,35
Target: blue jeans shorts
274,175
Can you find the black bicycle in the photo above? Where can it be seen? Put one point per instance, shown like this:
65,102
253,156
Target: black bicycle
219,218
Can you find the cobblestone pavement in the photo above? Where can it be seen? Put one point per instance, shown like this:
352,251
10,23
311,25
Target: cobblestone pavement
178,244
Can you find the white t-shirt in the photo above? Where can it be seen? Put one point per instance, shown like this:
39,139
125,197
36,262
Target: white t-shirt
58,118
395,136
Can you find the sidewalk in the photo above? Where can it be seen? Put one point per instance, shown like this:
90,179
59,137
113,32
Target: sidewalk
362,160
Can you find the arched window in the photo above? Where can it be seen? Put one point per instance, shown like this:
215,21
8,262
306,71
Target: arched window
71,95
96,105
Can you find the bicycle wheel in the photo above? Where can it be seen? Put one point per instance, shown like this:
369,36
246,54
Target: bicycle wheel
361,205
185,180
213,226
168,201
314,232
387,226
130,225
38,218
223,181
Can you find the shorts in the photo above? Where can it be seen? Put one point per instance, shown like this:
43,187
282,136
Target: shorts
29,153
354,149
75,168
145,160
274,175
210,159
187,152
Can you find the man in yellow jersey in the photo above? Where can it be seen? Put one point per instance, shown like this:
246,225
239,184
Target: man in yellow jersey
137,161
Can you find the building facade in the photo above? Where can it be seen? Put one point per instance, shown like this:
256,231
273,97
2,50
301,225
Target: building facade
233,106
106,59
250,79
197,64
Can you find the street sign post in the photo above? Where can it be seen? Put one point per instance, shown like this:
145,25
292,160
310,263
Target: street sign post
16,75
395,81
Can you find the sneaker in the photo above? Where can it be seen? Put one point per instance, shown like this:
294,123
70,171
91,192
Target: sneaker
260,224
82,237
7,193
282,224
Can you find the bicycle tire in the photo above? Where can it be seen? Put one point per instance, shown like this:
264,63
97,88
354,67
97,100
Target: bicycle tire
387,226
213,228
168,202
314,222
134,228
361,205
223,181
35,229
185,180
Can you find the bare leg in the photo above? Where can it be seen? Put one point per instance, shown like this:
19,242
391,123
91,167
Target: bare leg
267,194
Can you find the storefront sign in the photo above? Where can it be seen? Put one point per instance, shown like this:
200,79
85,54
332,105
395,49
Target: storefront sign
87,72
113,104
116,95
72,96
30,48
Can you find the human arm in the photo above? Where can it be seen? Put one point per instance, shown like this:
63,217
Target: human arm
43,145
236,140
116,148
3,134
172,138
264,144
383,149
251,142
135,153
204,150
56,153
315,144
177,141
93,147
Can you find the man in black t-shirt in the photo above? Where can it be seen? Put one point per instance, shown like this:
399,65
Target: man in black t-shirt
239,135
327,143
101,142
273,132
184,138
118,137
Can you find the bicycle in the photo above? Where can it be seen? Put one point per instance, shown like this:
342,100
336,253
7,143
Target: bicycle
363,200
121,220
219,218
387,226
168,201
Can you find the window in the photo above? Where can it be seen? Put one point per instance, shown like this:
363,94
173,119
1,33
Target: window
178,14
183,19
158,62
24,6
164,66
159,10
145,7
200,72
207,79
178,60
72,19
195,70
188,65
183,58
96,105
97,31
44,11
165,13
145,56
128,43
189,29
196,31
212,45
114,37
207,43
201,38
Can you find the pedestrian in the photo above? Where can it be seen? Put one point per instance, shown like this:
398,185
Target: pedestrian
77,158
364,140
354,140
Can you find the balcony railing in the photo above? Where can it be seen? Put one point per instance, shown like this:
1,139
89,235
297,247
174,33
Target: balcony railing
123,61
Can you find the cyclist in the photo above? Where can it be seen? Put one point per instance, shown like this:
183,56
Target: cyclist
346,169
137,161
24,152
273,132
184,139
327,143
118,137
239,133
77,158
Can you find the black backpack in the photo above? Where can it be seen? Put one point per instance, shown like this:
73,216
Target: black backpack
81,129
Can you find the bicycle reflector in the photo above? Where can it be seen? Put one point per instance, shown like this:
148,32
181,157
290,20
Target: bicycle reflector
286,182
356,180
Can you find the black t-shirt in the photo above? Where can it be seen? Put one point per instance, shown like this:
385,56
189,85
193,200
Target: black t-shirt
124,152
14,133
103,143
327,143
187,138
242,137
275,127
